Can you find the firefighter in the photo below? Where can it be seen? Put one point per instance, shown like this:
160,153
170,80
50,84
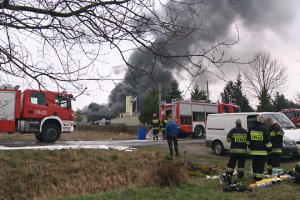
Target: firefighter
276,136
259,143
155,126
163,125
238,150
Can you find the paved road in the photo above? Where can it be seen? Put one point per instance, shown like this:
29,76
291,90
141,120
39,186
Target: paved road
132,143
191,145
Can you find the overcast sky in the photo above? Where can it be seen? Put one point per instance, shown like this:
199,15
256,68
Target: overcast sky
279,35
264,25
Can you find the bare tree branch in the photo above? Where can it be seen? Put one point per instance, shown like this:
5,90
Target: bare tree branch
264,74
61,41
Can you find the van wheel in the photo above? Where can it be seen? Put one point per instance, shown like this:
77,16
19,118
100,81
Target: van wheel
218,148
50,133
198,131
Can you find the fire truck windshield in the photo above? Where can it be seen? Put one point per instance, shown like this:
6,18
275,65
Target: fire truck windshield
63,101
282,120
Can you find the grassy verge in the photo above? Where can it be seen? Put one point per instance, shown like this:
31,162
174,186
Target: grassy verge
98,174
198,189
51,174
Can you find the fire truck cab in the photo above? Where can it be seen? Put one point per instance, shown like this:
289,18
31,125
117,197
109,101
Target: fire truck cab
190,116
293,114
44,113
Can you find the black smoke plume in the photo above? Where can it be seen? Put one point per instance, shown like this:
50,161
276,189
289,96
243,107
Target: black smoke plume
217,17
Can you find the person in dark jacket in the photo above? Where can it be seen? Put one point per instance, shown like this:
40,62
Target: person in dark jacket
171,134
259,143
238,150
155,125
276,136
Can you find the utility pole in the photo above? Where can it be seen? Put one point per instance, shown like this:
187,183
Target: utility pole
159,99
207,91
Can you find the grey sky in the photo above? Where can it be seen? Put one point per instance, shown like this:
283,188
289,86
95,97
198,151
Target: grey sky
267,25
264,25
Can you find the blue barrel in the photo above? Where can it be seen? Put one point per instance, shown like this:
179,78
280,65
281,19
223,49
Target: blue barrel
142,133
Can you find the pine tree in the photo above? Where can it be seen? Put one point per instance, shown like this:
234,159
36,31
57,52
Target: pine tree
280,102
197,94
149,107
172,93
265,102
233,93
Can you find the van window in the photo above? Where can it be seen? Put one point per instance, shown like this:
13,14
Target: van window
185,120
38,98
198,116
251,120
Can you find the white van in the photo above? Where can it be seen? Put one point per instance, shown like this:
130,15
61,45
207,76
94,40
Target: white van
218,126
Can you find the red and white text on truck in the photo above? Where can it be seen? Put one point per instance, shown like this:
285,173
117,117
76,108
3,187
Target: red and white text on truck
44,113
190,116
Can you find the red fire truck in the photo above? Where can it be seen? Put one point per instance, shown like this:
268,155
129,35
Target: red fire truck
190,116
293,114
44,113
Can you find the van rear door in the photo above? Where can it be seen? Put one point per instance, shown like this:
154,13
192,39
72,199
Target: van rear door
215,128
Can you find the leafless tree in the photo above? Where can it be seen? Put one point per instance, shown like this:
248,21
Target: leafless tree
60,41
264,76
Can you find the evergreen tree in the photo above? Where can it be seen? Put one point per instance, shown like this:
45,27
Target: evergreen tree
197,94
265,102
149,107
172,93
78,116
280,102
233,93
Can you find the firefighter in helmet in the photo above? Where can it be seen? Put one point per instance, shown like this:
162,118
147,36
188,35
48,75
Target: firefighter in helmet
163,125
276,136
259,143
238,150
155,125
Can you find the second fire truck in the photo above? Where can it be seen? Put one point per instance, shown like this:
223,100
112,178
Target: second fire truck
293,114
190,116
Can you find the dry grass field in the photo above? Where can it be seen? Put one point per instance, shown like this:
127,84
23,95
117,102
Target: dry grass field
54,174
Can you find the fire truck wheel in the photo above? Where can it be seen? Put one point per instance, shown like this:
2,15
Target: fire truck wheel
38,136
50,133
218,148
198,131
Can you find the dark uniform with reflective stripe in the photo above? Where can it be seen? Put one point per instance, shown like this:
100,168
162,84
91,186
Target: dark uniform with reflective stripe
273,159
238,150
155,128
259,143
163,125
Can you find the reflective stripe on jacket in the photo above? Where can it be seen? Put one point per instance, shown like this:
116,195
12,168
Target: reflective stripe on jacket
258,139
238,137
155,124
276,136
